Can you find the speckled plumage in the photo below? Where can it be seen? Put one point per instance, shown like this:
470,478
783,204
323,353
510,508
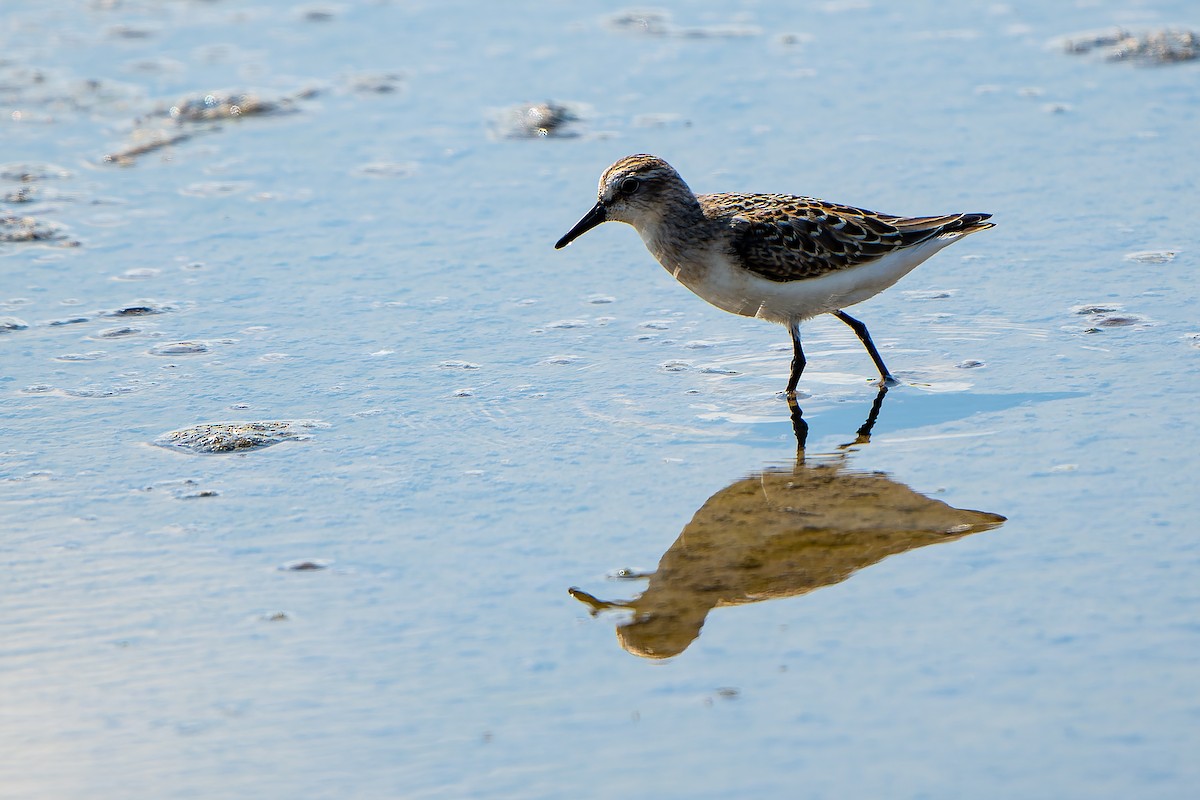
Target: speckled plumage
786,238
779,257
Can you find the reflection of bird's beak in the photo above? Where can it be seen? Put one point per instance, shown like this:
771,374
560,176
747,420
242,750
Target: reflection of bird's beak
590,220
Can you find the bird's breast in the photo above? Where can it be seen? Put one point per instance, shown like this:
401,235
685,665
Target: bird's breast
711,273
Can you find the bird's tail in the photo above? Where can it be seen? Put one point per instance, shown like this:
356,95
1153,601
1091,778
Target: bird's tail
920,229
970,223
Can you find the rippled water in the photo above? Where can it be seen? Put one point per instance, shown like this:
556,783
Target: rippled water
327,230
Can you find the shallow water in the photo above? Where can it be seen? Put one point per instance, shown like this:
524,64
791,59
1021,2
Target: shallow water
378,606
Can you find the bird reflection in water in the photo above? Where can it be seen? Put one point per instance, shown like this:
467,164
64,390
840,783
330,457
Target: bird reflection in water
782,533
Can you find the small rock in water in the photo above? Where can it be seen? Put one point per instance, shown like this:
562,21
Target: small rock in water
15,229
1152,256
179,348
317,14
644,23
1107,316
117,333
537,121
1167,46
198,493
236,437
93,355
130,32
1118,322
305,566
1086,310
136,311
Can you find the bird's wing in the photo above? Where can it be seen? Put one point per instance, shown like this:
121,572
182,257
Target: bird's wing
785,238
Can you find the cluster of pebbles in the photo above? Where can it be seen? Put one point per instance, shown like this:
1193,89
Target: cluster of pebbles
1098,316
237,437
203,439
188,116
1167,46
22,186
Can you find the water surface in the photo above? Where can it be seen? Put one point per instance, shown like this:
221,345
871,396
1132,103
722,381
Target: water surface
378,605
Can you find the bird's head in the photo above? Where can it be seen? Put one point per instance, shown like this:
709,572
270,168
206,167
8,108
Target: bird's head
635,190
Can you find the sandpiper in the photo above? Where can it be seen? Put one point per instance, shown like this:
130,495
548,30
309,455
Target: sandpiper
782,258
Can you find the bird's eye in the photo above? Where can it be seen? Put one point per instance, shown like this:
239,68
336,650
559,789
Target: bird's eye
629,185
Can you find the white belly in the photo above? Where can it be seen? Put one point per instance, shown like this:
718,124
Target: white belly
733,289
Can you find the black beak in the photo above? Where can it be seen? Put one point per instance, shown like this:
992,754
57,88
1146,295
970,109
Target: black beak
589,221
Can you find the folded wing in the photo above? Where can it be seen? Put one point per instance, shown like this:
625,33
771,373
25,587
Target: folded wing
785,238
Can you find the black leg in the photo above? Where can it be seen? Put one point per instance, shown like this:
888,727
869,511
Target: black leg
865,337
864,432
799,426
798,360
